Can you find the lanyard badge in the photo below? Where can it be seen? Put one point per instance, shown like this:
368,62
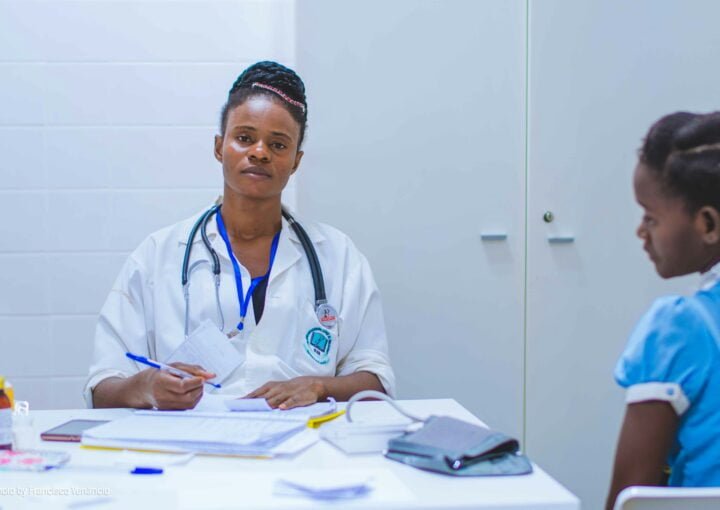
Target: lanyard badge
326,314
244,301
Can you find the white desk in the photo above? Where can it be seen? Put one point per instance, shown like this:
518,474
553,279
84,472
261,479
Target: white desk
223,483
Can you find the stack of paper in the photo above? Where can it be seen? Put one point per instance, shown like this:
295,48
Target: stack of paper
251,406
214,433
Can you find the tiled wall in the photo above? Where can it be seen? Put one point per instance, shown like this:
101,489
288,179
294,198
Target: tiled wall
107,114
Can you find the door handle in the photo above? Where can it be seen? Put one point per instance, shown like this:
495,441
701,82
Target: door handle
561,239
493,236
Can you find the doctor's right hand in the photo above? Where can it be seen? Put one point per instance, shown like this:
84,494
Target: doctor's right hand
166,391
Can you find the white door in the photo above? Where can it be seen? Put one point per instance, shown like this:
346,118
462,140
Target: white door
599,74
416,149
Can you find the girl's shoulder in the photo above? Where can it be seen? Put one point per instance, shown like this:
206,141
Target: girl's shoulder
672,342
679,316
668,313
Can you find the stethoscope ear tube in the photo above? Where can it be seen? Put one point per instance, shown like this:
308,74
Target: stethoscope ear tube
206,241
188,247
315,269
201,222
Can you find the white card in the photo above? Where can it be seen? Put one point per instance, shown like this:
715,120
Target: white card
256,406
208,347
248,404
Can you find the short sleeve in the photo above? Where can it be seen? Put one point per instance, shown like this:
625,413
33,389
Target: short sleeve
365,347
669,355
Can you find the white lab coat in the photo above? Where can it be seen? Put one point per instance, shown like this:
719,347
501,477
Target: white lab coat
144,313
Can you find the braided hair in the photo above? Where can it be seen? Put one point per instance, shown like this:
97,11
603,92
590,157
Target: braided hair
273,80
683,151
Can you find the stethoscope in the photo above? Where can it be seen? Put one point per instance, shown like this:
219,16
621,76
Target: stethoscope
326,313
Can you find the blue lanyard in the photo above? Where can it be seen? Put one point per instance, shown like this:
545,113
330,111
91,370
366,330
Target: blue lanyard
245,301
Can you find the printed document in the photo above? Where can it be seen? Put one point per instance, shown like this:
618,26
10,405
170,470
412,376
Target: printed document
171,431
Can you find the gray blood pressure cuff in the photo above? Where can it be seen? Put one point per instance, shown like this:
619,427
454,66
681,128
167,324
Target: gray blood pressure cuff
454,447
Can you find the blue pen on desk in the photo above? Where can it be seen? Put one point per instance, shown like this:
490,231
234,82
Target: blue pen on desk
162,366
146,471
118,467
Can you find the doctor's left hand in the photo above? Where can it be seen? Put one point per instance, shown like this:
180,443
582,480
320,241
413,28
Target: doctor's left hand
298,392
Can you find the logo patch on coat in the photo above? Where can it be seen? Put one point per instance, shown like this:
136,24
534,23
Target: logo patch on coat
317,344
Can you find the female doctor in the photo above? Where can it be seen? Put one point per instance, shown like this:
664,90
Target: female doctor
233,296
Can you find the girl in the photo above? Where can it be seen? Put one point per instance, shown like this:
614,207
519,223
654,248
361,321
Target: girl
671,365
234,294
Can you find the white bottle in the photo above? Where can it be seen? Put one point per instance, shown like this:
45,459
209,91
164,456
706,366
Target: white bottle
23,432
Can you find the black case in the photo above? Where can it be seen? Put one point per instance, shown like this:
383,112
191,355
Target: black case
455,447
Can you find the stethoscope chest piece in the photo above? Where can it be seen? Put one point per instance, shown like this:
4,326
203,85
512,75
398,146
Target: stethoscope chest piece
326,314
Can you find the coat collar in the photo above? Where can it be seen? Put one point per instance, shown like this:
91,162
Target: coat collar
710,278
289,251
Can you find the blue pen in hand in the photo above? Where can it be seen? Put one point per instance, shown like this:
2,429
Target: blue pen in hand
162,366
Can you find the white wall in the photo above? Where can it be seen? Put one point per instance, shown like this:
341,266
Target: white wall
416,147
439,124
108,113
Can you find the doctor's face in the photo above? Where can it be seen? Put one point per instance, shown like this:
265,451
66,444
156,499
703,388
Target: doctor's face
259,151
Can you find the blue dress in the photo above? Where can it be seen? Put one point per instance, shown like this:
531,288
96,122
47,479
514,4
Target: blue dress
674,355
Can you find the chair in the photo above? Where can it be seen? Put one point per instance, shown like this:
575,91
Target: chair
668,498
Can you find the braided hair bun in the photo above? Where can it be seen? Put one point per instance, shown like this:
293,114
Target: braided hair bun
683,150
273,80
